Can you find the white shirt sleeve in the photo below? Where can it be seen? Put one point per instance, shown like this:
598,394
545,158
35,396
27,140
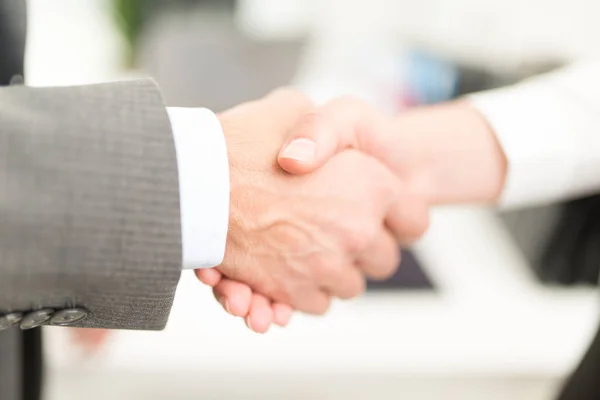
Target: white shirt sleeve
549,128
203,185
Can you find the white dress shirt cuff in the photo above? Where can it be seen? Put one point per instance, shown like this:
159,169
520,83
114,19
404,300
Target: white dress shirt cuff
203,185
550,138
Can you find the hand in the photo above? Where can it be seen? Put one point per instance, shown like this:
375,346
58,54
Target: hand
300,240
444,154
239,300
350,185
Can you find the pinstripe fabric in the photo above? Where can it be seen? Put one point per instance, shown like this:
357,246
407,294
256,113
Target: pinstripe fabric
89,208
89,203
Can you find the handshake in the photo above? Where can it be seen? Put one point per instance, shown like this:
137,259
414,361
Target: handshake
323,197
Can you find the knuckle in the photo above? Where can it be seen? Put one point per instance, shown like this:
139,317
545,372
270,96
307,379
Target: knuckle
311,120
287,93
392,187
282,293
388,187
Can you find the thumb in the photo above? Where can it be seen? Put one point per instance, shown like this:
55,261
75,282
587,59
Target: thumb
325,131
310,144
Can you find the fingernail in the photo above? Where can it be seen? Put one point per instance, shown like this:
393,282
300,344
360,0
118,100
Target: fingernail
248,323
286,320
225,303
303,150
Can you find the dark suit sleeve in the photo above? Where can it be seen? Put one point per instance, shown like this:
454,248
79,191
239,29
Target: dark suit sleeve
584,384
13,26
89,205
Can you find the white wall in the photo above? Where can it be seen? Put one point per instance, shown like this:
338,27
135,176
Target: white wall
496,32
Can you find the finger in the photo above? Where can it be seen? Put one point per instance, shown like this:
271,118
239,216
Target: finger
382,258
345,283
260,317
209,276
314,302
408,218
235,297
324,131
405,212
282,313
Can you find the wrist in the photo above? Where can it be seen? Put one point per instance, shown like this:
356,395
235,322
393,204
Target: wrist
453,154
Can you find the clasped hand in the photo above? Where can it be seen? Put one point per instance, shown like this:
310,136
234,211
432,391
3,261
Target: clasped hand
318,205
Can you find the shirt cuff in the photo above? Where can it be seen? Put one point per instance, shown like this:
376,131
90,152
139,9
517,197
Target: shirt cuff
203,185
550,141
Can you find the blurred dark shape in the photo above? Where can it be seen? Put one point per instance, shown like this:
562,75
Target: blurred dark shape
584,384
12,41
572,253
474,79
410,275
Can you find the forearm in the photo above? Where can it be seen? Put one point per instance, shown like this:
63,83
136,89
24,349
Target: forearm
533,143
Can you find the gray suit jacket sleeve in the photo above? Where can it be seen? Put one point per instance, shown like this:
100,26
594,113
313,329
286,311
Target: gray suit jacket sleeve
89,203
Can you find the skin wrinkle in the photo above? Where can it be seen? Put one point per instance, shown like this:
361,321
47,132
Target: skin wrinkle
299,257
305,232
292,242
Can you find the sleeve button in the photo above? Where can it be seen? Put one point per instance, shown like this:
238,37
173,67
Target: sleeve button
68,316
36,318
9,320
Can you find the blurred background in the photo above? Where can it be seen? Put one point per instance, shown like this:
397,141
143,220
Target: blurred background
484,307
